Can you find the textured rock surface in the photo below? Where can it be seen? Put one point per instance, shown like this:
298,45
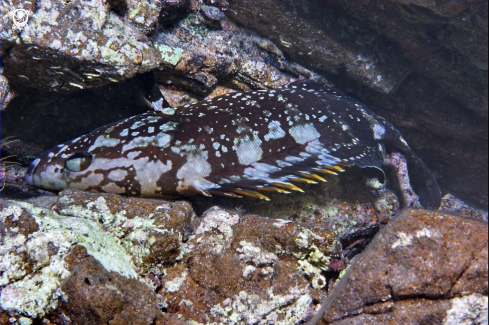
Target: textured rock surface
74,45
327,40
90,258
97,250
420,268
247,269
6,94
92,295
54,258
445,41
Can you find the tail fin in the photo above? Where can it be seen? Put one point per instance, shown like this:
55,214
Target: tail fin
422,180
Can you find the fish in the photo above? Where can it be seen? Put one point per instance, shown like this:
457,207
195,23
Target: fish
246,143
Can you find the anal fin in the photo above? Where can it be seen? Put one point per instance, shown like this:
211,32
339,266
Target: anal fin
289,186
272,189
252,194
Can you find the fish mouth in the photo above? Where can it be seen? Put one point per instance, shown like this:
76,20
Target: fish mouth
30,177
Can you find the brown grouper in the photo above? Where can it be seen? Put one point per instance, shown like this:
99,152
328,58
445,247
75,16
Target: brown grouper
239,144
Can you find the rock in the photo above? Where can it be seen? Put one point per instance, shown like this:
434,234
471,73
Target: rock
448,9
54,258
92,295
470,309
93,257
72,46
6,94
423,267
325,40
10,13
144,13
249,269
445,42
152,231
197,57
452,204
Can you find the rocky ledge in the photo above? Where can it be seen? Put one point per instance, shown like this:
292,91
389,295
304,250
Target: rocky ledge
83,258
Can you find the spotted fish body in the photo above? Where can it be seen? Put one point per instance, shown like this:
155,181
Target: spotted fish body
243,143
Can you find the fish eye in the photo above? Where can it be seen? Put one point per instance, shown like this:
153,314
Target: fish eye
78,162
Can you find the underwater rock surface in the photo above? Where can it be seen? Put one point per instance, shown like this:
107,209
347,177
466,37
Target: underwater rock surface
84,258
6,95
72,46
422,267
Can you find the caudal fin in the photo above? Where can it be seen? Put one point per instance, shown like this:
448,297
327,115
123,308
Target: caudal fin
423,181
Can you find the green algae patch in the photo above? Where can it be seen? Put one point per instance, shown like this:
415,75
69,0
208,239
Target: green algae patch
102,245
170,55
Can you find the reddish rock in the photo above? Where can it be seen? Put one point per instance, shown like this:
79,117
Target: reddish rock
414,271
92,295
249,269
452,204
95,296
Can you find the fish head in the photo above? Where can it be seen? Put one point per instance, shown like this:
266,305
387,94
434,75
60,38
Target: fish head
116,158
53,172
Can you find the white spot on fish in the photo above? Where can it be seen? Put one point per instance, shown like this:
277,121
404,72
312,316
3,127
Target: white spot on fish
194,169
117,175
133,154
170,126
275,131
248,150
103,141
144,121
379,132
304,133
161,140
112,188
